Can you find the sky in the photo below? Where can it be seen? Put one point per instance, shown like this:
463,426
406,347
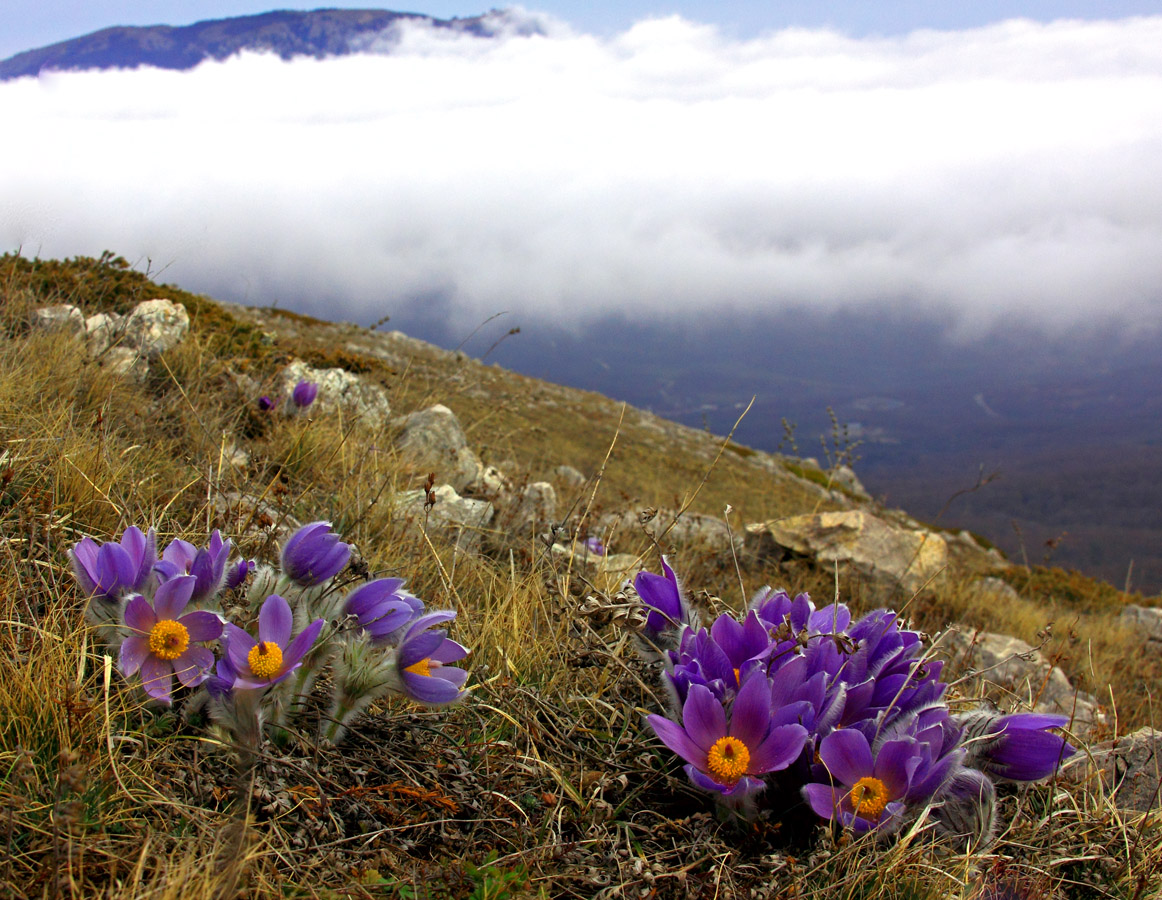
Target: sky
729,157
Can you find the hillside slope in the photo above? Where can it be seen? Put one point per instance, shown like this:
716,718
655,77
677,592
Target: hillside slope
544,781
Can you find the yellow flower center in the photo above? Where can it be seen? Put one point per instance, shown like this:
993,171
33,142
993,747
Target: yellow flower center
423,667
168,639
265,659
869,796
728,759
737,677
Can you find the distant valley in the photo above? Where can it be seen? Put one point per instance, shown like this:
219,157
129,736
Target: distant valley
1067,433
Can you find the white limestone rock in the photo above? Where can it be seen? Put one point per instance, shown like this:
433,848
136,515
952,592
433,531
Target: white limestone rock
339,391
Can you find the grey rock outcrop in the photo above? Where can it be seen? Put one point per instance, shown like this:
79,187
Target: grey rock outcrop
339,391
1129,769
535,507
569,476
64,317
461,520
101,331
845,477
1007,668
154,327
1146,620
123,344
882,552
433,439
691,530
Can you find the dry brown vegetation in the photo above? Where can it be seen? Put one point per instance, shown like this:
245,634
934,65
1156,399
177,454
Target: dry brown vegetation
544,783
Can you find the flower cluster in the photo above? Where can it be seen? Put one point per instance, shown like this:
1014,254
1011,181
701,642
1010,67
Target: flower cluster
164,616
788,703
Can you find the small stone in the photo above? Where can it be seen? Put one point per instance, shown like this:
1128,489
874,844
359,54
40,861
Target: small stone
64,317
156,326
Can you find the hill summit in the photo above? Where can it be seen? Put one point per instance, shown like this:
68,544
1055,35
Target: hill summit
289,33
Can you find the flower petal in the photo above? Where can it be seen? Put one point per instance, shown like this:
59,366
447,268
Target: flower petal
703,717
297,649
157,678
84,561
115,570
847,755
449,651
275,621
193,666
134,650
675,737
781,748
895,764
139,615
173,596
238,645
427,689
202,625
823,799
421,646
750,717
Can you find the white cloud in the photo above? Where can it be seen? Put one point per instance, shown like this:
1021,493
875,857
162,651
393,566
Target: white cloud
1004,171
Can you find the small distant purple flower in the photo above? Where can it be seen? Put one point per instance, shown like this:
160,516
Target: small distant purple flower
594,546
382,608
207,565
304,394
422,659
730,760
867,792
160,646
314,554
274,656
1016,747
113,568
266,404
663,597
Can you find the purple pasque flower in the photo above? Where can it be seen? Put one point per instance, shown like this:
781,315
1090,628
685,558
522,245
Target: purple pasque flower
720,658
422,661
731,758
382,607
965,812
113,568
207,565
314,554
266,404
161,643
1015,747
274,656
238,572
662,595
304,394
594,546
867,791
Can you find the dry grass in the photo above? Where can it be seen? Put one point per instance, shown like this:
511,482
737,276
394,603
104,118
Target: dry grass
544,783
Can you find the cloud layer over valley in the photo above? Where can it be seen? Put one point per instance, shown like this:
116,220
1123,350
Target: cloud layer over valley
1006,172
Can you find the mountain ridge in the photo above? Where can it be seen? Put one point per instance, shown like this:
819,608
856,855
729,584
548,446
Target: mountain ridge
289,33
